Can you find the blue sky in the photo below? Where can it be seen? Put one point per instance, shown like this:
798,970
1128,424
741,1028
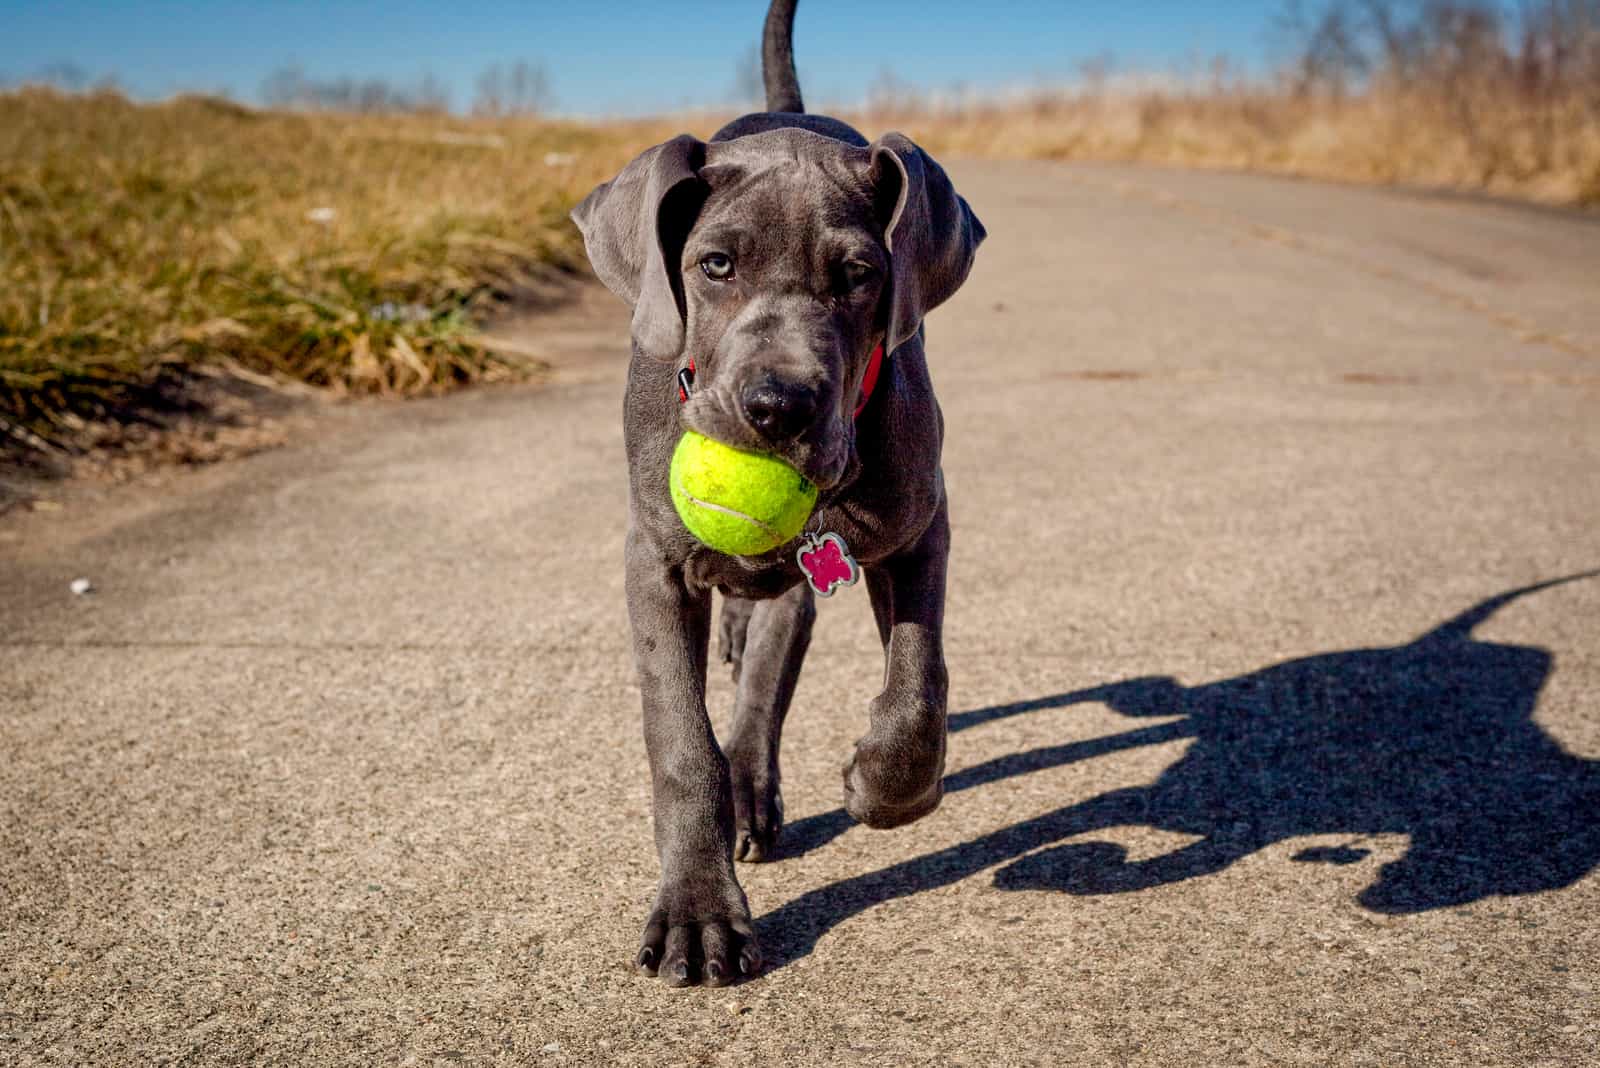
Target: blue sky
618,58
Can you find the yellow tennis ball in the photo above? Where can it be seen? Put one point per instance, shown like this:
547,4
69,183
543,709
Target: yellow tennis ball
737,502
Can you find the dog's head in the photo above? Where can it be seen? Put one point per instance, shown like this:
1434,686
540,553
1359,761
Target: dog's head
777,262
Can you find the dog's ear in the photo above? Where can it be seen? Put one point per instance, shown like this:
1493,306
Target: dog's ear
931,232
634,227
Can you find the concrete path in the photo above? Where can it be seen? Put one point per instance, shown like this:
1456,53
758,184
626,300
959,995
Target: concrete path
1259,755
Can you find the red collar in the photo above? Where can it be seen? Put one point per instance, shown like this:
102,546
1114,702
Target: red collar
869,381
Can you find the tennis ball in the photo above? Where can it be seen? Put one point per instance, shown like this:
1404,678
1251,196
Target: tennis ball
736,502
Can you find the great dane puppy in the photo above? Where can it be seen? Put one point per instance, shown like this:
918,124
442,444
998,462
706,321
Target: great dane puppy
774,260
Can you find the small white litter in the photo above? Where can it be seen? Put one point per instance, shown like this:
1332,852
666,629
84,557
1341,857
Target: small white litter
81,586
389,311
321,216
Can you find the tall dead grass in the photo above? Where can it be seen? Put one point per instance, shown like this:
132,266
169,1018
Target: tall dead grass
1403,137
139,242
1457,94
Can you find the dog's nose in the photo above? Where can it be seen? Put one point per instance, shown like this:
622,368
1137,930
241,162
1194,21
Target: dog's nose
779,410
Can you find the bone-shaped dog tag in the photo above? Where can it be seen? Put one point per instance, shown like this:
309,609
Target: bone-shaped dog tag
827,563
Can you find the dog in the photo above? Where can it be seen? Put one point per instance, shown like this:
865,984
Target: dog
778,276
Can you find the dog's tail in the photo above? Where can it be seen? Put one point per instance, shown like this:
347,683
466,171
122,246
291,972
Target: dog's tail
777,59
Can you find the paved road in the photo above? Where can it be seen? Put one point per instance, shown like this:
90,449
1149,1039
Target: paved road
1259,757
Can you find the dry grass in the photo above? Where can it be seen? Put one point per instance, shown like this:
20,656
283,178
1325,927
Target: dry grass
1548,153
1458,94
141,242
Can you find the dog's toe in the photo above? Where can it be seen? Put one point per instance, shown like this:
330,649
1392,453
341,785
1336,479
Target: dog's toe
757,816
754,847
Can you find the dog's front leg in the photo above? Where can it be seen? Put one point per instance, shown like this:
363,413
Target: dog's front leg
700,924
896,774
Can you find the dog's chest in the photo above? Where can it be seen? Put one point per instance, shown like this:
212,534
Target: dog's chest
756,578
862,533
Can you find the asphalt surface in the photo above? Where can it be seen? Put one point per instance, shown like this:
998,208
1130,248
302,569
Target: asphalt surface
1254,760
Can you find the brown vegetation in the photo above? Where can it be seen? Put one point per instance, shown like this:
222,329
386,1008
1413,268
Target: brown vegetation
140,244
1442,93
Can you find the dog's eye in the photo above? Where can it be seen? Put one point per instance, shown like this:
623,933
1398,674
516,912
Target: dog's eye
857,274
718,266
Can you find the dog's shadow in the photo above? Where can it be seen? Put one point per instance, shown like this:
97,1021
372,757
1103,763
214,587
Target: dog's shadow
1434,739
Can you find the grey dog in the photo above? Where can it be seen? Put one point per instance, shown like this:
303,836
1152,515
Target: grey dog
774,260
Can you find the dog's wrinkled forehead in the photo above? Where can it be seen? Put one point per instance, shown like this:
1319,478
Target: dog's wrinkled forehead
779,178
787,147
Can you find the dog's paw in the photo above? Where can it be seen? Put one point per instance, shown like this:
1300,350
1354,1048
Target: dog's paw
891,785
699,935
757,812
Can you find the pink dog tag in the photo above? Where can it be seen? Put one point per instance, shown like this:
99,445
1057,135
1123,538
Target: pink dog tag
827,562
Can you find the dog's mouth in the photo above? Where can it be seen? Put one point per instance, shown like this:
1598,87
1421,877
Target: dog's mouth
821,452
